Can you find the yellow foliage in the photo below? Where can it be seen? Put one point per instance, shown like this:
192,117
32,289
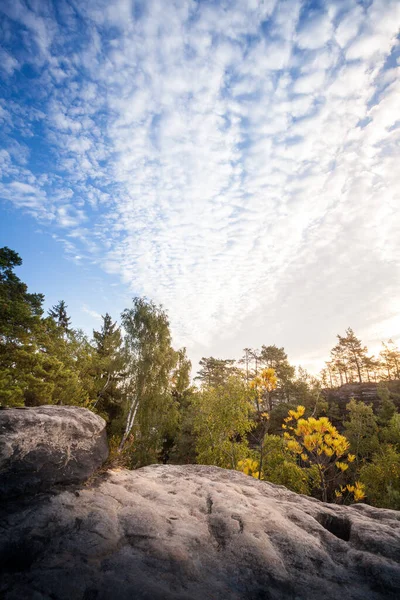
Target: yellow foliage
250,467
359,491
320,443
294,446
269,379
266,380
342,466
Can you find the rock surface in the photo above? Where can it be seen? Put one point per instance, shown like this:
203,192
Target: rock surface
365,392
48,445
195,533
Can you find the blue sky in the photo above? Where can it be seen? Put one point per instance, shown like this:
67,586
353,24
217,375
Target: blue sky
237,162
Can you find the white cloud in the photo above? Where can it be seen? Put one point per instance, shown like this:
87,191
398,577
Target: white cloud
239,166
7,62
315,32
309,84
91,312
349,26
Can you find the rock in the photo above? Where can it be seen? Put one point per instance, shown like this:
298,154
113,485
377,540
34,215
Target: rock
365,392
48,445
196,533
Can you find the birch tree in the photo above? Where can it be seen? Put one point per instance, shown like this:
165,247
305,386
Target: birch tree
150,406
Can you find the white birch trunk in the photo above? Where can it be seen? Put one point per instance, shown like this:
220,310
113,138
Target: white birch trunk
129,422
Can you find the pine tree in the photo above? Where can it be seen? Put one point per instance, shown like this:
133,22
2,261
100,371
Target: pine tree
59,314
215,371
361,429
351,352
390,357
276,358
37,364
110,363
20,311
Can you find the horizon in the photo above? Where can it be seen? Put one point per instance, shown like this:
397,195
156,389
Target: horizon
235,164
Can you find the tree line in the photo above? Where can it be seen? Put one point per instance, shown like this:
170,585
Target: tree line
350,361
259,415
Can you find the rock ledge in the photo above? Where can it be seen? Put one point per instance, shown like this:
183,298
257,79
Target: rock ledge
48,445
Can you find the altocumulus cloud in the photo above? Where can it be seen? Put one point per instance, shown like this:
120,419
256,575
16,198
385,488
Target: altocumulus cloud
236,161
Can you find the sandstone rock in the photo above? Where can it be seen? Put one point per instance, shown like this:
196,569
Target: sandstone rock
366,392
196,533
48,445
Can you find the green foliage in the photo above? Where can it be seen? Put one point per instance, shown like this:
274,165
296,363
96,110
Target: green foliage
152,411
276,358
19,310
182,446
391,433
387,407
381,478
59,315
390,357
109,363
306,390
361,429
350,354
222,420
281,466
38,365
215,371
141,386
277,416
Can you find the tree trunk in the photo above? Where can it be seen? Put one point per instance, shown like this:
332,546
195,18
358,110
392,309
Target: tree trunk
129,423
261,458
101,392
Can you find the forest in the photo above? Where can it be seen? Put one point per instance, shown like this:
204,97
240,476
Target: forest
259,415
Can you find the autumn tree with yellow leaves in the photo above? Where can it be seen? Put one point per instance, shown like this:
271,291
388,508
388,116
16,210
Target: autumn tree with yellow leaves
262,387
317,442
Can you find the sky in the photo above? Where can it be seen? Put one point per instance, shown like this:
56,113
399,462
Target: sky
235,161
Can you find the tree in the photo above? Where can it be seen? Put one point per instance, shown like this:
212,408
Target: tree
252,362
59,314
222,421
391,433
183,446
350,353
339,364
276,358
215,371
246,361
151,409
381,478
390,357
263,385
277,416
306,390
180,377
361,429
371,366
386,408
20,311
109,366
318,443
179,443
280,466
